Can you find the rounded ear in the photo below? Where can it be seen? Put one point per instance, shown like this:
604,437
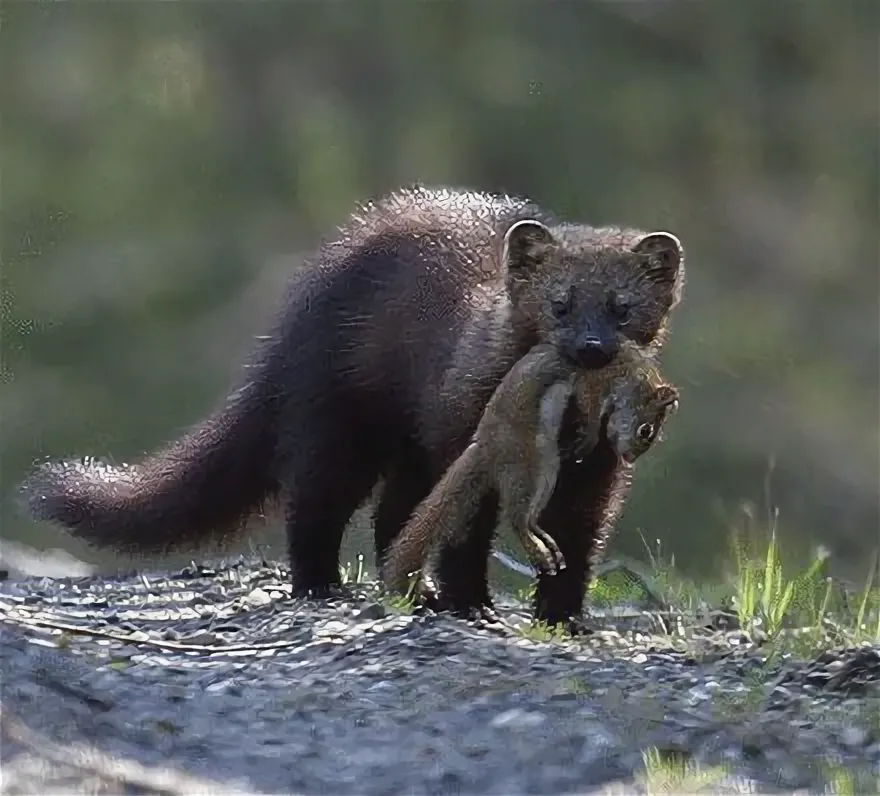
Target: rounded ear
663,266
526,243
664,252
667,395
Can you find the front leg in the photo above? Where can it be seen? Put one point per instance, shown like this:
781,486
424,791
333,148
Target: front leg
462,570
580,515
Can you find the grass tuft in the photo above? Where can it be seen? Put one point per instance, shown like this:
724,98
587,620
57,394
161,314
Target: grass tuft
666,772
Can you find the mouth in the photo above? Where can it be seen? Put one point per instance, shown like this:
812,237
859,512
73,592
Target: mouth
586,357
593,358
570,357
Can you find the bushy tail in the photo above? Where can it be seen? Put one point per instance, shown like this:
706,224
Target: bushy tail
200,488
443,515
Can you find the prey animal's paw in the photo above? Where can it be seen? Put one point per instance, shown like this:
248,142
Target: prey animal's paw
558,558
544,552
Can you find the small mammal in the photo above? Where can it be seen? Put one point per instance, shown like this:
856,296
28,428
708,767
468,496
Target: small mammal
388,346
515,451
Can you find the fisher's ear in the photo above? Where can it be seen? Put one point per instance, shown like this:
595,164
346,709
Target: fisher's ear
667,397
663,257
526,244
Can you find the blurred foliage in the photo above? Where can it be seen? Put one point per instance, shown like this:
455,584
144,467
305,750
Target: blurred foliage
166,165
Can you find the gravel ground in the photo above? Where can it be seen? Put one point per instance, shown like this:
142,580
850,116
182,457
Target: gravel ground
215,680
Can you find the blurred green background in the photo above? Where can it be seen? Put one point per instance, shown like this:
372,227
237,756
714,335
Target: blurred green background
166,166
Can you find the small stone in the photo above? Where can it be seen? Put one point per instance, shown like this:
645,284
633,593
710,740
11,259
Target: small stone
371,611
699,694
517,718
332,628
854,737
221,687
258,598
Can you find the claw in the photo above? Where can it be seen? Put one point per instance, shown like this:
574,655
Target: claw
540,554
545,552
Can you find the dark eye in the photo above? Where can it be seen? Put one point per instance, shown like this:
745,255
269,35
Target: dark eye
561,307
619,308
645,432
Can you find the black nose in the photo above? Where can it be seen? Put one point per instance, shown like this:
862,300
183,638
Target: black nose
593,353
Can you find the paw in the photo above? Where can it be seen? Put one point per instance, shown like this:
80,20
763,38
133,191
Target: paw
544,552
578,627
484,612
574,627
326,592
558,558
541,556
487,613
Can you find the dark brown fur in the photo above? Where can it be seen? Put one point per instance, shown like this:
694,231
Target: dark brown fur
388,348
514,451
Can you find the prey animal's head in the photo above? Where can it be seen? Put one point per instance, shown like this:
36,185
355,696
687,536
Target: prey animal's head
586,289
637,408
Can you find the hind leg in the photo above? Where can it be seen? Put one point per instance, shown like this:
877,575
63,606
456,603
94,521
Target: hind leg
546,472
326,486
520,493
407,483
528,480
543,485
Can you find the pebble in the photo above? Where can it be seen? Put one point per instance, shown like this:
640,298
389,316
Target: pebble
518,718
258,598
854,736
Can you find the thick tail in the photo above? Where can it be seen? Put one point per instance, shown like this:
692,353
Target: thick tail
444,514
200,488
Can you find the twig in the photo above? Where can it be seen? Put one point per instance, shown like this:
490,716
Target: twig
131,639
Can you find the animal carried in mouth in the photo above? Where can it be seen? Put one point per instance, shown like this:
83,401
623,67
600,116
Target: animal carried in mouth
515,451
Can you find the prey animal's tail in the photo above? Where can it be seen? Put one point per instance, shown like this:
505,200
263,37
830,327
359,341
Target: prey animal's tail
443,515
201,487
